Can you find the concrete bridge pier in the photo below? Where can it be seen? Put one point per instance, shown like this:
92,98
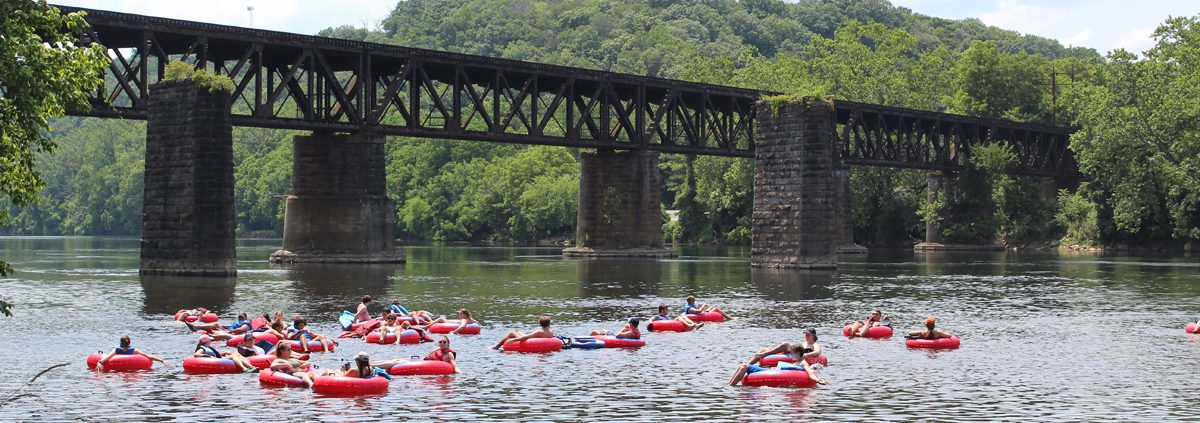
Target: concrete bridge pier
845,212
938,184
795,218
338,211
619,201
187,197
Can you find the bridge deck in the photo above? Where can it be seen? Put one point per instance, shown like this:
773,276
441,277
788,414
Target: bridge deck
313,83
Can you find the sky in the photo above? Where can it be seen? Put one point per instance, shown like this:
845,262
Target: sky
1104,25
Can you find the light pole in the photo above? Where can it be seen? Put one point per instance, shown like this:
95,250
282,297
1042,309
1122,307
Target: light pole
251,10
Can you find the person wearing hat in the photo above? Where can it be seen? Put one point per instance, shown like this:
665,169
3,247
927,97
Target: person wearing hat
204,348
363,368
630,331
812,350
797,352
929,332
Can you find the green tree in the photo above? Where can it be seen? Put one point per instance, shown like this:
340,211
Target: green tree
42,73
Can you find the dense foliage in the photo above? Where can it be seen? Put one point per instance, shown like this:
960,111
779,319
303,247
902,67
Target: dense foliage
42,73
1137,120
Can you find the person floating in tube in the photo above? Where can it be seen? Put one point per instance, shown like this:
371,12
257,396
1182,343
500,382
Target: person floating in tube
692,308
861,328
929,332
543,332
796,351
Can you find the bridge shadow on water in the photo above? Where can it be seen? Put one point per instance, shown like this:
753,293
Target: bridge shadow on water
793,285
618,278
168,294
340,285
791,296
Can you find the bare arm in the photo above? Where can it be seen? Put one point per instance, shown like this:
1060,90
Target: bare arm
450,359
778,349
151,357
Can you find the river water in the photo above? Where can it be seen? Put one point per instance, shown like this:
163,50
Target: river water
1045,337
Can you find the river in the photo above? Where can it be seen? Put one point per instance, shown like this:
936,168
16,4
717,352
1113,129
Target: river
1045,337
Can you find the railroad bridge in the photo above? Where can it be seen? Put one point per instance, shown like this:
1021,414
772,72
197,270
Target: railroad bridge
350,95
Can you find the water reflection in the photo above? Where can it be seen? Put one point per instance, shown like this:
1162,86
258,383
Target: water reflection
342,285
618,278
792,285
321,279
168,294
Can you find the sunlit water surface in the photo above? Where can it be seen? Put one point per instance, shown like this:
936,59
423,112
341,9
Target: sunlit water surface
1045,337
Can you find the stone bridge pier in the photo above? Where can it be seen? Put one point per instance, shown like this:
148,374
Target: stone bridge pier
338,211
187,197
796,215
619,201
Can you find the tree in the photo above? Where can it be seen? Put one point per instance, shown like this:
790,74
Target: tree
42,73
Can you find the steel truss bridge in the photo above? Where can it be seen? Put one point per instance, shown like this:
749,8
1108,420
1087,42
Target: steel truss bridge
302,82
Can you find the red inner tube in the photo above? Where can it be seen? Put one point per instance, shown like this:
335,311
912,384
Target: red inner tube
444,328
780,379
209,365
120,362
421,368
258,336
708,316
875,332
263,361
277,378
409,336
534,345
314,346
666,326
1190,328
940,343
349,386
614,342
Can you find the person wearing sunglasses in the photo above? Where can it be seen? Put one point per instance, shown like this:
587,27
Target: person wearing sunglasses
444,353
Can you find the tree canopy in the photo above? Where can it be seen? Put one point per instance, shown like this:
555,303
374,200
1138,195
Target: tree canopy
42,73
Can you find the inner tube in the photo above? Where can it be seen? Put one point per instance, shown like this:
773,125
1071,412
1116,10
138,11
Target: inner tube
258,336
874,332
421,368
780,378
208,317
614,342
277,378
1190,328
367,323
666,326
535,345
313,346
349,386
585,343
210,366
120,362
940,343
444,328
708,316
409,336
773,359
263,361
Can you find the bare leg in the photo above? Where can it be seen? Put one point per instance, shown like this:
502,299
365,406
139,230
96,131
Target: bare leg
505,339
739,374
723,315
